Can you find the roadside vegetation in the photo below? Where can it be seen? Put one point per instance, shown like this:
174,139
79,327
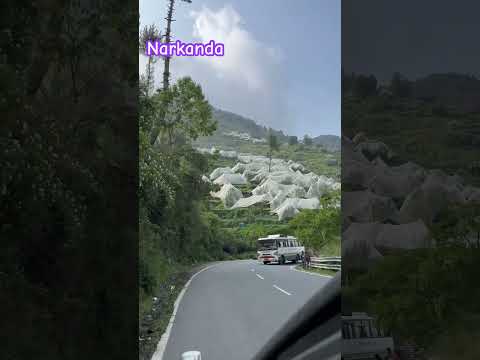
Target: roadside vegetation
176,229
68,172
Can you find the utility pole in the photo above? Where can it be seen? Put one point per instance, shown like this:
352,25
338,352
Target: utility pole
168,36
166,70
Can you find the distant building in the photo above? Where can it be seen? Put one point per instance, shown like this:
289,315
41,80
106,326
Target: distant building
244,136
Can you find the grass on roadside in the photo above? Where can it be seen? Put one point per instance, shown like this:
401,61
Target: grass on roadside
332,248
317,271
155,315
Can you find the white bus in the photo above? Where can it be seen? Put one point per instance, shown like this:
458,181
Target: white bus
279,248
362,339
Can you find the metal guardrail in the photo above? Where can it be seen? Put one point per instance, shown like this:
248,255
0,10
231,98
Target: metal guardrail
328,263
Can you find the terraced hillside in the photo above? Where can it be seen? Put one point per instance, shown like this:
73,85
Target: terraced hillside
322,157
275,205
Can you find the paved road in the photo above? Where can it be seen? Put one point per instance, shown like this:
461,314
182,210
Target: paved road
231,309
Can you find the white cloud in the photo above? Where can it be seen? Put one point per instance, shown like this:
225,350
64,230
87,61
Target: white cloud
244,56
248,79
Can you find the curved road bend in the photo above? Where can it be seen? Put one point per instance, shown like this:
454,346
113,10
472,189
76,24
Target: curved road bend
230,310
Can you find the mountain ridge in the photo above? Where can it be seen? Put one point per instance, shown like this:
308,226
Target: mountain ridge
231,122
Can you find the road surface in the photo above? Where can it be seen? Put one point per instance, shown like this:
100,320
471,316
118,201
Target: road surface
230,310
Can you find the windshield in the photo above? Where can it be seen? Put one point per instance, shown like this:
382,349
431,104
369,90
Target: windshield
267,245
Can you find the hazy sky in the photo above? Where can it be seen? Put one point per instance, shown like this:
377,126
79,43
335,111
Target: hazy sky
416,38
282,58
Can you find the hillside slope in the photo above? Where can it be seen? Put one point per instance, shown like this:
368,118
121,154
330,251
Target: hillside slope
330,143
229,121
236,132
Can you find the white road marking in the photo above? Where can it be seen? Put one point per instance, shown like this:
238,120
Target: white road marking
280,289
260,276
252,269
162,344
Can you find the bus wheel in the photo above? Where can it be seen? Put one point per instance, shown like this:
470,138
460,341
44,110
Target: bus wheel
296,259
282,260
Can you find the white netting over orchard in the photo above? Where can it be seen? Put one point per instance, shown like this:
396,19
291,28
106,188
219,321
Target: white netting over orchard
285,186
391,207
229,195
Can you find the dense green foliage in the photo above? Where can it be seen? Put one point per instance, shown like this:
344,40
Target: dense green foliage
320,229
292,140
273,146
171,222
68,183
421,294
307,140
400,86
458,225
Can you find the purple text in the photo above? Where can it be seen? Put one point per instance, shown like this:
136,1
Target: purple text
178,48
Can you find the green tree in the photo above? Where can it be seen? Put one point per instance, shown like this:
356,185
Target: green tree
319,228
148,33
182,111
273,145
400,86
458,225
66,172
364,86
347,82
174,223
307,140
421,293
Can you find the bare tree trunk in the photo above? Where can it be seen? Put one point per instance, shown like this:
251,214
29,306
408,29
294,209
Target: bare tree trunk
150,75
270,162
170,136
166,71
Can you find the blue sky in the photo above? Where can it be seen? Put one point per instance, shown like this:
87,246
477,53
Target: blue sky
282,58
